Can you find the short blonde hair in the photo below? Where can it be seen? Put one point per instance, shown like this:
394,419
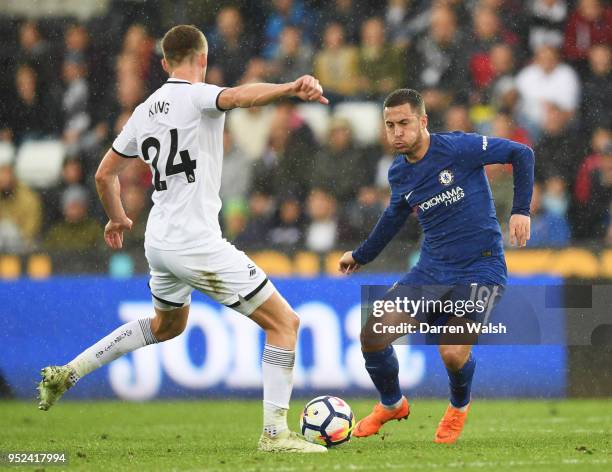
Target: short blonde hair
182,42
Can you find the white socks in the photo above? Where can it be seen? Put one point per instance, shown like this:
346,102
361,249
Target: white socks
126,338
277,369
395,406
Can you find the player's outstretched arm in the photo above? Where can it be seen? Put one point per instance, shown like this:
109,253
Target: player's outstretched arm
107,185
306,88
348,265
388,225
483,150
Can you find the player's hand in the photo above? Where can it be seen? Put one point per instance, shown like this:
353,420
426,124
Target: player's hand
348,265
307,88
520,230
113,232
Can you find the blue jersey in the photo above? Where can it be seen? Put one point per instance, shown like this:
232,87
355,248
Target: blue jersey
450,193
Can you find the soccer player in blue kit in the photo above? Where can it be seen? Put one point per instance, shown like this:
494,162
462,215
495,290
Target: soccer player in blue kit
441,177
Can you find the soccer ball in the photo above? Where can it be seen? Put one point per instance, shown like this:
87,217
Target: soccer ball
327,420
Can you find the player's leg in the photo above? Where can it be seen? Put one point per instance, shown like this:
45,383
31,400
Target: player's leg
280,324
456,353
383,367
460,366
228,276
167,324
171,299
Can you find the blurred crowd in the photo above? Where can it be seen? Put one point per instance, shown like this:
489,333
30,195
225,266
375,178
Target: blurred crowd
537,72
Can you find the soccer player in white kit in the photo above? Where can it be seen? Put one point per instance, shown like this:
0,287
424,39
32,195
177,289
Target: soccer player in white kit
178,131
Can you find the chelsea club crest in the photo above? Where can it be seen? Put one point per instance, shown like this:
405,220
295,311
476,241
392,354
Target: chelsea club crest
446,177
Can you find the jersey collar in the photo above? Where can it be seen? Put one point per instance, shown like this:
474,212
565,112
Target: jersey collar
172,80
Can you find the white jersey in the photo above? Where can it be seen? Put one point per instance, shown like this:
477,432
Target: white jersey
178,131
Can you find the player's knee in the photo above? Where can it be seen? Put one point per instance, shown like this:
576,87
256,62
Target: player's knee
287,324
169,330
370,343
291,322
454,357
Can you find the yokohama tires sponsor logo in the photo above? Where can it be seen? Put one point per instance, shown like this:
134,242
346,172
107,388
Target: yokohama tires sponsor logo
450,196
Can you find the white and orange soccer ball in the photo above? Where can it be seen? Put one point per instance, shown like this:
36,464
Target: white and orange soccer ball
327,420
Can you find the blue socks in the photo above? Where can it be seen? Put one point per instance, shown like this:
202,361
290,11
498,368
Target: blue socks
383,369
460,383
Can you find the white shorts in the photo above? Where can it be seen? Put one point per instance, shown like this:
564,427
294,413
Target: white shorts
219,270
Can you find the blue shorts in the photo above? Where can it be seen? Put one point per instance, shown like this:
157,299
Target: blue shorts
481,283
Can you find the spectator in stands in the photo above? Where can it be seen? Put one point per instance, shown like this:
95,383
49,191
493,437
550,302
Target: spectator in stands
322,230
362,214
488,32
130,93
77,231
75,103
232,46
250,129
135,204
457,118
592,214
600,145
34,50
405,19
336,64
20,213
237,171
504,126
72,174
547,81
293,57
381,65
340,168
235,218
286,164
442,66
597,94
546,23
557,149
379,157
502,62
283,13
347,13
259,224
140,46
32,114
549,223
589,24
287,232
76,41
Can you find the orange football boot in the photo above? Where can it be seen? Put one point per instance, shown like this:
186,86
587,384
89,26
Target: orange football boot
451,425
372,423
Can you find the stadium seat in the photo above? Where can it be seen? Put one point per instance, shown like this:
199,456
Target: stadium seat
606,264
7,153
39,163
365,118
306,264
10,267
331,263
39,266
316,116
575,262
273,263
522,262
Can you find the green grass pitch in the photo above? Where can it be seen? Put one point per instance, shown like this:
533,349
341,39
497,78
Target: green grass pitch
222,435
